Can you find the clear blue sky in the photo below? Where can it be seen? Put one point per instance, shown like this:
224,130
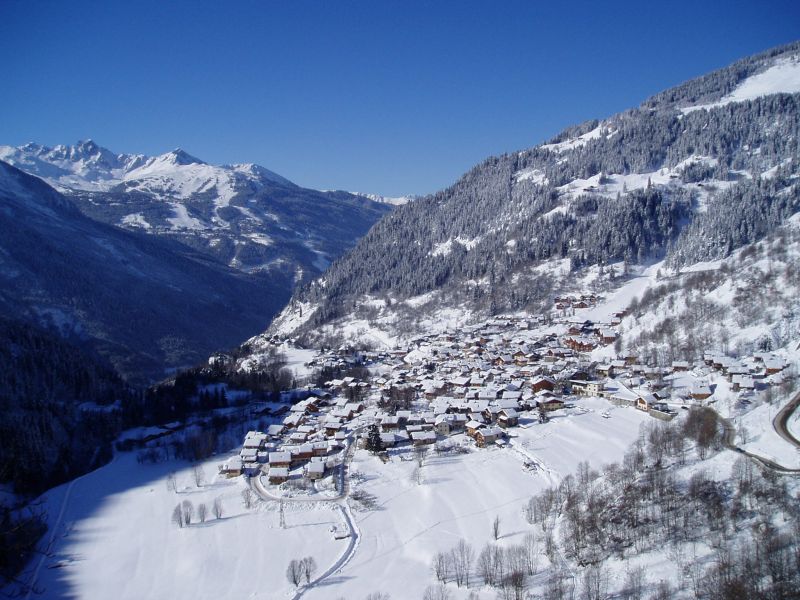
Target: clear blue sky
385,97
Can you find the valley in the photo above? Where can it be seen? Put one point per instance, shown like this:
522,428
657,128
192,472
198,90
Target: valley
571,373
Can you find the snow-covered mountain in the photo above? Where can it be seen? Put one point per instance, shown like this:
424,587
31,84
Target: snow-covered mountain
694,173
244,215
394,200
89,167
143,302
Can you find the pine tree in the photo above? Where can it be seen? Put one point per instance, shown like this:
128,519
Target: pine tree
374,442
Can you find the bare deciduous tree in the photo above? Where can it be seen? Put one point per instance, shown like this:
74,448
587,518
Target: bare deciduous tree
177,516
531,547
247,497
420,452
199,475
594,583
378,596
202,512
294,572
172,485
461,558
441,566
309,566
188,511
416,475
496,528
635,583
217,508
436,592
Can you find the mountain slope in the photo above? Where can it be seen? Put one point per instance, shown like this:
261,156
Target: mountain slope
143,302
244,216
693,173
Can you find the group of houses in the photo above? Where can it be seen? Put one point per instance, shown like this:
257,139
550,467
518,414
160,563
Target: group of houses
481,381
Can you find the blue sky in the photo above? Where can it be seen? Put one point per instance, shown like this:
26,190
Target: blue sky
384,97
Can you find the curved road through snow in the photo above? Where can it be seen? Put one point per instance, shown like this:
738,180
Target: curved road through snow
779,423
340,501
782,419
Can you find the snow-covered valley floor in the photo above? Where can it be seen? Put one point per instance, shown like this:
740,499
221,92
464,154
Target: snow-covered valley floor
113,535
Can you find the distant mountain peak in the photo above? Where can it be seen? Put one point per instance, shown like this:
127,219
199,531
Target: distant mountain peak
181,157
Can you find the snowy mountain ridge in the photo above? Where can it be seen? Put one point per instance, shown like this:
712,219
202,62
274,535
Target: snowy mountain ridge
243,215
89,167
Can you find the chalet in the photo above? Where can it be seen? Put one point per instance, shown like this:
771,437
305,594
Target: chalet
279,459
508,417
680,366
645,402
390,423
232,468
607,336
423,438
742,382
587,388
294,420
550,404
301,453
254,440
700,392
388,439
489,435
319,448
606,369
332,427
580,344
443,425
275,430
298,437
315,470
277,475
248,454
473,427
490,414
774,365
542,383
652,373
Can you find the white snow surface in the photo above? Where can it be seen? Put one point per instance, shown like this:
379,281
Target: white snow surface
113,537
182,218
136,220
577,142
781,78
393,200
87,166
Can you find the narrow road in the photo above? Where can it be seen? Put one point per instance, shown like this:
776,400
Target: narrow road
781,421
730,439
341,503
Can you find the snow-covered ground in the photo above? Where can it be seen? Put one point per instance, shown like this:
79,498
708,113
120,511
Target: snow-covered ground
114,538
113,535
781,78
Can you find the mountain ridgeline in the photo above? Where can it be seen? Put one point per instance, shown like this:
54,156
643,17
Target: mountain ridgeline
243,216
691,174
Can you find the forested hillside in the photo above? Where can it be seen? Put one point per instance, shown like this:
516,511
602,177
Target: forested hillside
691,174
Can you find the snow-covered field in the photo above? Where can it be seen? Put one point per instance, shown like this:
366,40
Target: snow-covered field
113,535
